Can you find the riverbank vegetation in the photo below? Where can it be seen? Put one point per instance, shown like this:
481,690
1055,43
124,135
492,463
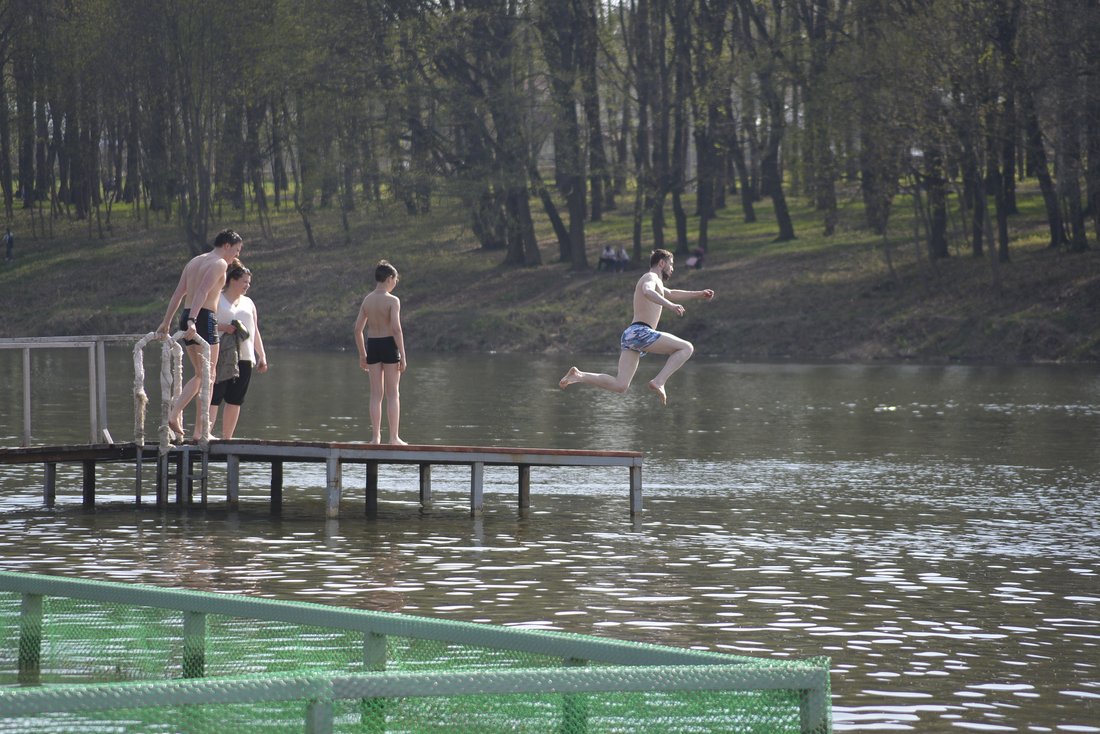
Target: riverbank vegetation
853,296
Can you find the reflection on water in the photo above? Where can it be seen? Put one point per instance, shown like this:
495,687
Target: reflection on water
933,530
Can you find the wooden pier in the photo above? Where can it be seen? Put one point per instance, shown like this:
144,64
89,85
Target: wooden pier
189,465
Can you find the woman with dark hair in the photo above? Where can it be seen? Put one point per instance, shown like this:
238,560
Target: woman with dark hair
242,347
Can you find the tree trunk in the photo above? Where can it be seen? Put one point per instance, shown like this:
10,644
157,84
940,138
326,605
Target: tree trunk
936,183
597,157
733,144
1036,153
6,151
771,177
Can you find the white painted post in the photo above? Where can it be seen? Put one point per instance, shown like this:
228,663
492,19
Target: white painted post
332,487
232,480
477,488
26,396
425,485
93,413
635,490
103,433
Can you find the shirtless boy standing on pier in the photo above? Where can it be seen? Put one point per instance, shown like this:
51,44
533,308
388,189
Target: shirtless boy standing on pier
382,355
642,337
201,283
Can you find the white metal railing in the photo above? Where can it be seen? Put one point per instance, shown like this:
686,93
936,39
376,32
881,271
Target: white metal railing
97,376
98,430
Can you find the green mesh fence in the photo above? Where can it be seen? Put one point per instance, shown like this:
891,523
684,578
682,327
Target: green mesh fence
83,656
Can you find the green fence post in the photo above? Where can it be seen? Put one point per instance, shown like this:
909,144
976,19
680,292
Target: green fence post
373,710
30,639
813,709
194,644
574,706
319,717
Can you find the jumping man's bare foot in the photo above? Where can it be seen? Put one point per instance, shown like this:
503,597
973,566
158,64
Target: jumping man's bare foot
398,442
660,390
573,375
175,427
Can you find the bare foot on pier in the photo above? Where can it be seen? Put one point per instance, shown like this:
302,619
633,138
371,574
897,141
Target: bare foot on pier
398,442
660,390
175,428
572,376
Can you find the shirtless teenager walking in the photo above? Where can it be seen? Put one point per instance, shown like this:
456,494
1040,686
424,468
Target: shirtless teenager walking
641,337
200,283
382,355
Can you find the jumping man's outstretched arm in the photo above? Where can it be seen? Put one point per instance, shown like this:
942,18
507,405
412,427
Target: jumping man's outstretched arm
704,295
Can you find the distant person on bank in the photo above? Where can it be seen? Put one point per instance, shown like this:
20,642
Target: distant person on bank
622,259
607,259
382,354
240,347
200,284
9,245
651,297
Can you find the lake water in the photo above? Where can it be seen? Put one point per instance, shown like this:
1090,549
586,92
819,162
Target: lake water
933,530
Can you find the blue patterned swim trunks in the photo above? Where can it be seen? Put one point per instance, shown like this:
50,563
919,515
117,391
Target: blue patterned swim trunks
638,336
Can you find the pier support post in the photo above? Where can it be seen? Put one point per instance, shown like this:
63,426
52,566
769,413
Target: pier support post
372,489
524,486
180,462
276,486
635,490
205,464
332,487
477,488
425,485
162,480
232,481
89,484
138,463
49,486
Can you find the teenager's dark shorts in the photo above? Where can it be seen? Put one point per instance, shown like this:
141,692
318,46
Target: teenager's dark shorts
382,349
205,324
233,391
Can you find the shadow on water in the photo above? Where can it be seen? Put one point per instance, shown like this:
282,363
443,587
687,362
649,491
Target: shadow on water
931,529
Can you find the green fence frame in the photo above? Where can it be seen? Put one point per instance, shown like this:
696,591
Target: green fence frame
619,665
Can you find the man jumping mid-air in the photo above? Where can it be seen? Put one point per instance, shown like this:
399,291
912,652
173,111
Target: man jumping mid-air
641,337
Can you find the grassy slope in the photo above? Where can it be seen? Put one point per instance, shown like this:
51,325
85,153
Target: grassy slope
810,299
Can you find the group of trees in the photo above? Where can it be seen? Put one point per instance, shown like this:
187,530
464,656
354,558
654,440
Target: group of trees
575,106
